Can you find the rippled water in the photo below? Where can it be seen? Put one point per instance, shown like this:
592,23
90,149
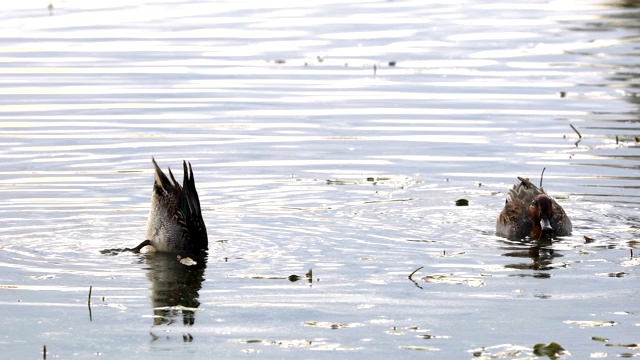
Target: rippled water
334,136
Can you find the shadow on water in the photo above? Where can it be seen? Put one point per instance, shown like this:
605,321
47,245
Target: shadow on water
174,290
538,256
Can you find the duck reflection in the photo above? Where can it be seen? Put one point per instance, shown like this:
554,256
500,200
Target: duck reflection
539,257
174,289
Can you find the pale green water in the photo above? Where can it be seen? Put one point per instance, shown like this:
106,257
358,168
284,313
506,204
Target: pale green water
305,158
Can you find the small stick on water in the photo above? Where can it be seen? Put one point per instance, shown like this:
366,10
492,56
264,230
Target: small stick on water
89,303
541,175
44,352
411,278
414,271
631,250
576,130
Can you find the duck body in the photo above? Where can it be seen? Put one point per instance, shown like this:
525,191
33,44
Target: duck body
530,212
175,223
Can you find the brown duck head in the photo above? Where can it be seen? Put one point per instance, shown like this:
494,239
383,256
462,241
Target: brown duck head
541,212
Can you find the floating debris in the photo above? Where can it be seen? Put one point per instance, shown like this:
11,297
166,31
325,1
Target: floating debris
331,325
450,280
499,351
551,350
631,262
308,276
419,348
187,261
43,277
630,346
462,202
588,323
282,343
577,132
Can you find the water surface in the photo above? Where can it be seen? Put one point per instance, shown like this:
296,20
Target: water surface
333,136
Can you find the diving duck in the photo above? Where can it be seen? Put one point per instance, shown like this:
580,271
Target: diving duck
530,211
175,222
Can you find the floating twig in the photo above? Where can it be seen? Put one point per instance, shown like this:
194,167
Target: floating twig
415,271
44,352
411,277
89,302
577,132
541,175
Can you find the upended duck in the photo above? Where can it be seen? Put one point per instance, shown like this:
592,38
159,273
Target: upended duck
175,223
530,211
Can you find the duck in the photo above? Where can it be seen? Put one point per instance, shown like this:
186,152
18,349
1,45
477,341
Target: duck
175,223
530,212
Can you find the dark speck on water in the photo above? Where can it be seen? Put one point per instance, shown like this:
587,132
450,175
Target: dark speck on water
320,165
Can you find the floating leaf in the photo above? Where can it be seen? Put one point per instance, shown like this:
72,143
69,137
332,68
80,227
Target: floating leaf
462,202
551,350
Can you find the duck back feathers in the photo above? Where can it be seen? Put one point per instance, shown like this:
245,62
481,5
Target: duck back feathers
530,212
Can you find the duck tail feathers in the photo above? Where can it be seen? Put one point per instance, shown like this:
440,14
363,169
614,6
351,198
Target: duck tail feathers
161,181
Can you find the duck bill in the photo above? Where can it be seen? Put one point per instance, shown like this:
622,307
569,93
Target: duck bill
546,225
